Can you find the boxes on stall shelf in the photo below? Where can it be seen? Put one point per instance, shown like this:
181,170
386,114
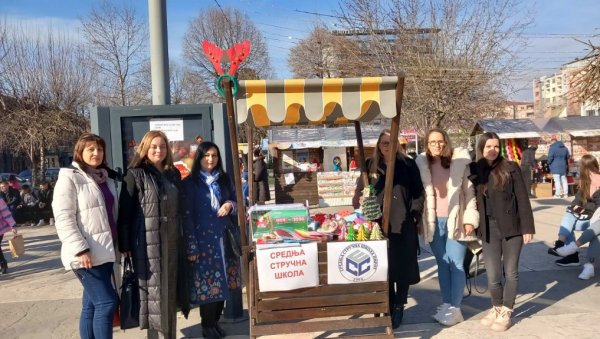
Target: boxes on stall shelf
266,219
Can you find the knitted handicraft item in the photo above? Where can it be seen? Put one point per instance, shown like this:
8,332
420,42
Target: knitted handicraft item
361,236
370,207
375,233
350,235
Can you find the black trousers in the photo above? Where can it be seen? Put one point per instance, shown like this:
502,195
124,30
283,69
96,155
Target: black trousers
2,259
398,294
211,313
502,254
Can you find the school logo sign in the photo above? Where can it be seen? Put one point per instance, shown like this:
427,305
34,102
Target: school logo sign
356,262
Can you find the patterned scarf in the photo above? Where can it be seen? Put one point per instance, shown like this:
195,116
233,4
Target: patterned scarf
213,186
99,175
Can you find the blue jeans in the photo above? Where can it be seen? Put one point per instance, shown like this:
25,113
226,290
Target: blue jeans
569,224
560,184
449,255
99,302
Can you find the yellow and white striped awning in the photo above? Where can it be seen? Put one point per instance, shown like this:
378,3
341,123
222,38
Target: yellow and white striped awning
315,101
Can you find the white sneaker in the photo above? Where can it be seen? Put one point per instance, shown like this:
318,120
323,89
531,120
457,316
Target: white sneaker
51,222
41,222
452,316
440,311
587,272
567,249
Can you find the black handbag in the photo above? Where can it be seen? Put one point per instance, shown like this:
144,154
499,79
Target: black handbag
233,241
130,297
579,216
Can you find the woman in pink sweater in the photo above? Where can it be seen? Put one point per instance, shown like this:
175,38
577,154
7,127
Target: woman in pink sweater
450,217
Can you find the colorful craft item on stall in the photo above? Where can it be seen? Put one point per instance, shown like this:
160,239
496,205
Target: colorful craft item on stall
344,232
319,217
345,213
376,232
361,236
502,152
350,236
371,209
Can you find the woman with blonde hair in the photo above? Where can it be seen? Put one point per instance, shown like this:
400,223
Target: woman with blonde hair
407,207
450,217
85,215
150,232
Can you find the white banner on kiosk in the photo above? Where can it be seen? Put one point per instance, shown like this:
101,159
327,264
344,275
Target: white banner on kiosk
356,262
288,267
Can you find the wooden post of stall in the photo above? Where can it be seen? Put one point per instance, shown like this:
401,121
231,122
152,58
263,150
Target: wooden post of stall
239,194
361,152
251,188
391,162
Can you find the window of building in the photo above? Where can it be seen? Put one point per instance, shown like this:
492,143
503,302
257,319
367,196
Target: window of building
590,112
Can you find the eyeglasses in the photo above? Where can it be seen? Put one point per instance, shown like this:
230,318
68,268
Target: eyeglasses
437,142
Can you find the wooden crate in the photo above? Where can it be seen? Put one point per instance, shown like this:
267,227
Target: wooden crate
542,189
273,313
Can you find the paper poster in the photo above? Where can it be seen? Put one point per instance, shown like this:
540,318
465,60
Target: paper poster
356,262
287,161
287,267
289,178
173,128
302,160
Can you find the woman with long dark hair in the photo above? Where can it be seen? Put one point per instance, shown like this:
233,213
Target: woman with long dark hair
209,205
586,203
505,224
85,215
407,207
150,231
450,217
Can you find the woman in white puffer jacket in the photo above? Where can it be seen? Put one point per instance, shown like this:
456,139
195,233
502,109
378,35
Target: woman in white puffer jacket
450,217
85,217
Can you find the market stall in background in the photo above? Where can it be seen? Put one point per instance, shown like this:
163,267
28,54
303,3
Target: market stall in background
320,165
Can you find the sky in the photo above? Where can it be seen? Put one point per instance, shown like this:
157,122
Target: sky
551,37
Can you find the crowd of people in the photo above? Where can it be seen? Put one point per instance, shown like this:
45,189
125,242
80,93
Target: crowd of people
177,232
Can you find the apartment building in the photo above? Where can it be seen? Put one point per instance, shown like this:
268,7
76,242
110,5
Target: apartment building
518,110
555,96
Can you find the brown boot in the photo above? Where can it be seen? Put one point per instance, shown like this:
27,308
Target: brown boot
503,321
489,318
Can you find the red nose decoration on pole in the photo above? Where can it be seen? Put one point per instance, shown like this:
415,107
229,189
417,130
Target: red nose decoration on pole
236,56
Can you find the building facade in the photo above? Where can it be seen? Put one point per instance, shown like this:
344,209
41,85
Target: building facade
555,96
518,110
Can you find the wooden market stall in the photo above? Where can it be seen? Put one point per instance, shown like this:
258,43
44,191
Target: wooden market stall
264,103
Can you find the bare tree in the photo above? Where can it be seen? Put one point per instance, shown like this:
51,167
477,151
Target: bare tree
324,54
224,28
458,55
48,82
117,41
587,81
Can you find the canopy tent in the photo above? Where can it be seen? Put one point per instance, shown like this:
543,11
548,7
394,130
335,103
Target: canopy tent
315,101
508,128
579,126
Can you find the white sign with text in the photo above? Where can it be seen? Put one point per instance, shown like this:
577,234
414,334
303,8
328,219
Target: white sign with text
356,262
173,129
287,267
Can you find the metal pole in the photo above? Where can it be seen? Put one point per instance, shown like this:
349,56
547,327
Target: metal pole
159,52
361,152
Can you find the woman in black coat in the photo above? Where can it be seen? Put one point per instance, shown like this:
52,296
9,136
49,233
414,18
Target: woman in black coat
150,231
406,209
505,224
261,178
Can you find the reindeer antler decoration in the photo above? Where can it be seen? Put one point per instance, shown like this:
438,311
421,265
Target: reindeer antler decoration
236,55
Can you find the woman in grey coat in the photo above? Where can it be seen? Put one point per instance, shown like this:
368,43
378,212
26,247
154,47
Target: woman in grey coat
150,232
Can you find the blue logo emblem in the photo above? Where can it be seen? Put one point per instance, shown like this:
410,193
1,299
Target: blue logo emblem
357,262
